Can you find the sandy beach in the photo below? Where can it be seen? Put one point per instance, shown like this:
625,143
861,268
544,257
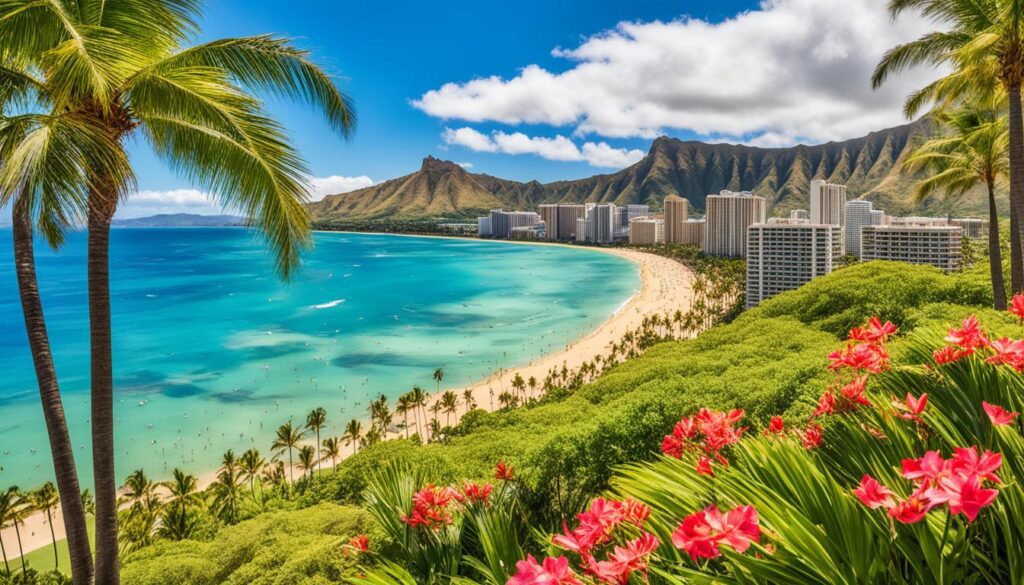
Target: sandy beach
665,286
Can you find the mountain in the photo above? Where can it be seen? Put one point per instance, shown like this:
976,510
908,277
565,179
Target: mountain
181,220
869,166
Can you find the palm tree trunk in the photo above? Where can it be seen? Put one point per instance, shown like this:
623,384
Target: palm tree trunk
101,210
995,255
3,550
53,538
291,468
1016,188
17,532
49,394
320,471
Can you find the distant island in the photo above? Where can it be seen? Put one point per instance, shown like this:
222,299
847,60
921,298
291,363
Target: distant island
181,220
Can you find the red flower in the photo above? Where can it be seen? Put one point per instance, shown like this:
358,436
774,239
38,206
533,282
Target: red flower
911,510
810,437
949,354
718,431
503,472
866,357
969,337
474,492
595,525
623,561
826,404
359,544
873,332
776,426
963,493
928,468
430,507
1007,351
966,461
635,512
912,407
1017,306
702,533
704,466
554,571
873,494
854,391
998,415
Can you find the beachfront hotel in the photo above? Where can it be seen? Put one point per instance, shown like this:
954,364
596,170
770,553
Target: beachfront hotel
676,209
501,223
646,231
973,228
560,219
799,214
693,232
916,243
628,213
786,254
828,203
859,213
729,214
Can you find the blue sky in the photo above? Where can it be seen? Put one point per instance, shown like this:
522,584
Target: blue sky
552,90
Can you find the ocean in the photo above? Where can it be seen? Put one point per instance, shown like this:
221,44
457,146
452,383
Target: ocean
212,351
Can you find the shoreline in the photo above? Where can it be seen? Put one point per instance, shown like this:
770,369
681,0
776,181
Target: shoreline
665,286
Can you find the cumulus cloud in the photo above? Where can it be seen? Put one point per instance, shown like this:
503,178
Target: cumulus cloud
557,148
465,165
150,202
323,186
791,70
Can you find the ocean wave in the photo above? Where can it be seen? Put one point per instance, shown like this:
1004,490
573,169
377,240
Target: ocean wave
330,304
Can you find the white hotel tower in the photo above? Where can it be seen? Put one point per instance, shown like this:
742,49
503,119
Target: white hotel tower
828,203
859,213
729,214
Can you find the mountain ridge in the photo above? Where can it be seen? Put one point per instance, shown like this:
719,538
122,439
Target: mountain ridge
869,166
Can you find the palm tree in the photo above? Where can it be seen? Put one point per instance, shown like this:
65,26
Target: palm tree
63,204
972,152
315,420
532,382
307,460
468,399
227,495
331,449
380,412
12,512
126,71
402,407
518,384
438,376
45,498
137,490
288,438
353,432
229,461
179,520
982,42
88,502
450,403
419,399
250,464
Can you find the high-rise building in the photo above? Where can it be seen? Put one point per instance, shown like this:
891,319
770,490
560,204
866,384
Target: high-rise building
693,232
484,226
859,213
606,216
627,213
973,228
646,231
729,215
938,245
828,203
918,221
799,214
784,255
675,215
503,222
560,219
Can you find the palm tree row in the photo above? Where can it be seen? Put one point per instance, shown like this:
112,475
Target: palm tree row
16,506
78,80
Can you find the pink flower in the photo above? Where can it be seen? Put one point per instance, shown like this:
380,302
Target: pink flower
866,357
596,525
1007,351
873,494
963,493
949,354
969,337
810,437
874,332
635,512
623,561
554,571
928,468
430,507
854,391
998,415
966,461
826,404
911,510
1017,306
912,407
701,534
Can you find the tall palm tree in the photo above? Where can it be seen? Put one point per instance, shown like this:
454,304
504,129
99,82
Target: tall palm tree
8,500
450,404
315,420
468,399
51,180
353,432
402,407
251,464
229,461
126,69
982,42
12,512
419,399
331,449
179,520
227,495
438,376
287,439
45,499
138,488
381,413
307,460
971,152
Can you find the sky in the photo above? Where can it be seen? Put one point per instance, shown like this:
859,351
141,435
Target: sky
550,90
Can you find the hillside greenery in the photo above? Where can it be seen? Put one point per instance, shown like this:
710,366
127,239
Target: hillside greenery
565,447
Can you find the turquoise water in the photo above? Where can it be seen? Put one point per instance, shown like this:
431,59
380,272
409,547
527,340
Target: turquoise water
212,352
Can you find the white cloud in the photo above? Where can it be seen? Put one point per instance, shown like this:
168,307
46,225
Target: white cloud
557,148
323,186
465,165
150,202
792,70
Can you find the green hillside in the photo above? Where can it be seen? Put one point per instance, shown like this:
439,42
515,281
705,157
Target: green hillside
564,449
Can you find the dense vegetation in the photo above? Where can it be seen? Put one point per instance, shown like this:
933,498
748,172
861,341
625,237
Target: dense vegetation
565,448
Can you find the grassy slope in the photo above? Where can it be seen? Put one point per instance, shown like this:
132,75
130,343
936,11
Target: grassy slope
769,360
